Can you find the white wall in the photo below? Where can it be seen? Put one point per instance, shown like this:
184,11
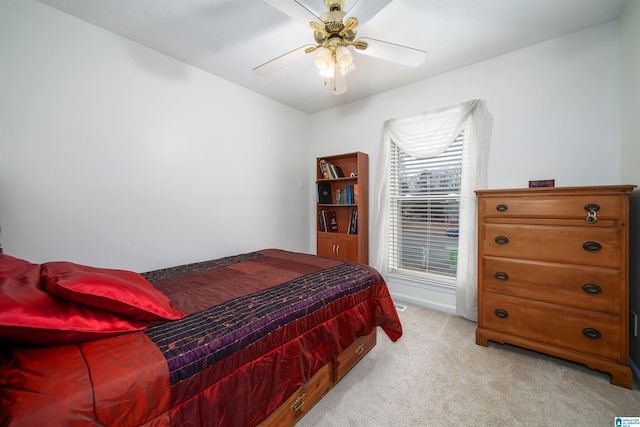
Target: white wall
555,108
114,155
630,148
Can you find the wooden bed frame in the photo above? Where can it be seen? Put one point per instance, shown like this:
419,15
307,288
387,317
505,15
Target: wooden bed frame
310,393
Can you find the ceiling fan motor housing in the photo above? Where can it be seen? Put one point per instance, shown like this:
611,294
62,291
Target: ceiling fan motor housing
336,32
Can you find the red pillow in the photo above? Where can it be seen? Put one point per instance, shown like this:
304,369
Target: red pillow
29,315
118,291
10,266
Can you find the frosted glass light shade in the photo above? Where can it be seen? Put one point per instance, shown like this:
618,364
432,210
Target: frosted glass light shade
323,59
344,57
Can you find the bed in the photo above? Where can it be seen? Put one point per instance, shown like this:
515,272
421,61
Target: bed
252,339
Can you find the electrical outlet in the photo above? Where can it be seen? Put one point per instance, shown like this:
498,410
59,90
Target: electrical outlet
633,320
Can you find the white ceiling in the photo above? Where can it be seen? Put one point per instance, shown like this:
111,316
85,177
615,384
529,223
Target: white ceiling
229,38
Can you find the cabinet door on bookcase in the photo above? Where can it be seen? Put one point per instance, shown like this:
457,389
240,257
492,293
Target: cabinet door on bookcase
347,247
326,245
337,245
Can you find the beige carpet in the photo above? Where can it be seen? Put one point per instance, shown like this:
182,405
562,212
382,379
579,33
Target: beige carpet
436,375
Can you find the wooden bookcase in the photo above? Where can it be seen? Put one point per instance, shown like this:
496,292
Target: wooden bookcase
344,243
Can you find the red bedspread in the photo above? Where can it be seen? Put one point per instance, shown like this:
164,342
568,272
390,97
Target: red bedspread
259,325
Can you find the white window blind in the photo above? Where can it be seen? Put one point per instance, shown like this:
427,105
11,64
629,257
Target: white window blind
424,213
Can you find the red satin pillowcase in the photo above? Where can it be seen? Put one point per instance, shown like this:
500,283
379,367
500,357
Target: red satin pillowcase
63,303
117,291
29,315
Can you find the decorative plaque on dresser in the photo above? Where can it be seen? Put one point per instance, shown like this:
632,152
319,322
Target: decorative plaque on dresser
553,273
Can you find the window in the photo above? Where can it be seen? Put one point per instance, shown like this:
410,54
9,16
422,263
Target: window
424,214
415,218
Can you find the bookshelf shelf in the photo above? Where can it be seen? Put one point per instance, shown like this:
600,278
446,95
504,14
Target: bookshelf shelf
338,179
342,227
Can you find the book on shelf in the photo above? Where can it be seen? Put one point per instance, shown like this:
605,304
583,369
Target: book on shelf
321,220
328,221
353,222
349,195
324,193
346,196
329,170
324,168
336,171
332,221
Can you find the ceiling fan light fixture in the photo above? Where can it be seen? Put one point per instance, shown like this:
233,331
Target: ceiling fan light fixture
330,71
339,83
347,70
323,60
334,63
344,58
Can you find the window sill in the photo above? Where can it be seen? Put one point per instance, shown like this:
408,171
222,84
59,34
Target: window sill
433,283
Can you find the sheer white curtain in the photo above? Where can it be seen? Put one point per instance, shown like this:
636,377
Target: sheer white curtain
440,128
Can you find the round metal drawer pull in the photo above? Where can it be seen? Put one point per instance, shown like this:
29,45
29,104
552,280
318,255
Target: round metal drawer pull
592,246
502,314
502,207
501,275
502,240
592,289
591,333
592,207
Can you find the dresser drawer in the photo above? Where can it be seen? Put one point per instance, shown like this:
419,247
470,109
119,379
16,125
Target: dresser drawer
592,333
589,288
352,355
545,206
578,245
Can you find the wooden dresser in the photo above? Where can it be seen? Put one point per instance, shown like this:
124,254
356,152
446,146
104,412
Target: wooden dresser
553,273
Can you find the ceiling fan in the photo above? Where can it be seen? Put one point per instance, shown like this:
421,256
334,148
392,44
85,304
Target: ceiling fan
334,32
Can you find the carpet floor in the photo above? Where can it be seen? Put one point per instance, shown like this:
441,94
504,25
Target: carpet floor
436,375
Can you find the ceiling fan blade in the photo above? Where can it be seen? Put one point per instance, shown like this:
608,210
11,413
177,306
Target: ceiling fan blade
295,10
364,10
393,52
283,60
